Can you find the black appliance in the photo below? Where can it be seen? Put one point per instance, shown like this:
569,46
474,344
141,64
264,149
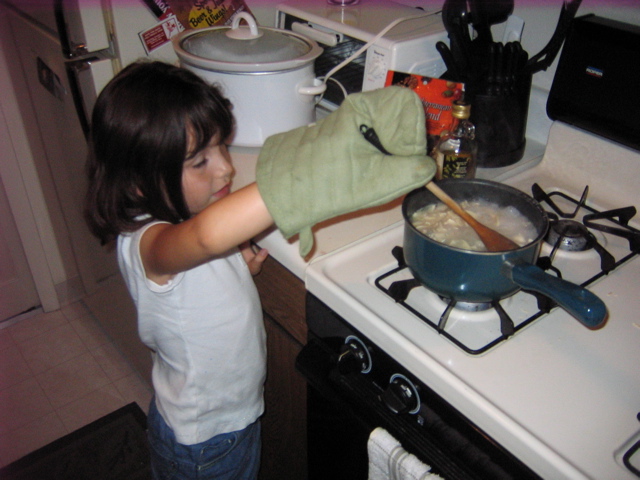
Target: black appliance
595,86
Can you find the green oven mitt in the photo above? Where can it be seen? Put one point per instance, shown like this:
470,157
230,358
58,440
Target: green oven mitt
320,171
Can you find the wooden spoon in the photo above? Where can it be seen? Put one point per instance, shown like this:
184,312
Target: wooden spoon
494,241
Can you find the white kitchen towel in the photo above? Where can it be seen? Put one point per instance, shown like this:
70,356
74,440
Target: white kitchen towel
389,461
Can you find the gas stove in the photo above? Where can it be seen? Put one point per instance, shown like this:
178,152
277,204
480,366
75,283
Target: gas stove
562,398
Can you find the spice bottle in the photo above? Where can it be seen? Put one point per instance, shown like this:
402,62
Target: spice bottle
456,151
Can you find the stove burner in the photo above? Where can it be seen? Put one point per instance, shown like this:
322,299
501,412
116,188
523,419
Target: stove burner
618,217
570,235
467,306
399,291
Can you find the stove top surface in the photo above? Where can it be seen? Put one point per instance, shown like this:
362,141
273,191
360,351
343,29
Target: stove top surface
561,397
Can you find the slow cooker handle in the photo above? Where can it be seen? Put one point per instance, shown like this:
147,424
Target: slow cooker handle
583,304
318,88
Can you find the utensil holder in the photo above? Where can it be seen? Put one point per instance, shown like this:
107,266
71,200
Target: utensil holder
501,121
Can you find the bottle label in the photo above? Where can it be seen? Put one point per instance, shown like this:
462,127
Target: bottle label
455,165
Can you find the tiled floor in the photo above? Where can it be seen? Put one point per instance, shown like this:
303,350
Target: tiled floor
58,372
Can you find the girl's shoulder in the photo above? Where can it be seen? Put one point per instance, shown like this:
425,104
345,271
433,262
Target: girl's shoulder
131,254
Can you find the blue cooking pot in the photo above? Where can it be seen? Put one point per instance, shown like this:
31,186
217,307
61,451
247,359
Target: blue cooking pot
480,277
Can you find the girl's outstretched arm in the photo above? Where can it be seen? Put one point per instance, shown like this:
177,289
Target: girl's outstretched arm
168,249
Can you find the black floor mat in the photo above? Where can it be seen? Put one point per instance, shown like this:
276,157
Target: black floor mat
111,448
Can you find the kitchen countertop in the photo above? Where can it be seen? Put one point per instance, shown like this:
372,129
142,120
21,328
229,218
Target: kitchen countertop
332,235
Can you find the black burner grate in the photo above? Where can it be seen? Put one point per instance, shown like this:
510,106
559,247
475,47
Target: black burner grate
400,290
614,222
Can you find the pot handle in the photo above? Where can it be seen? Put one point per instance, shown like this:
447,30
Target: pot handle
583,304
318,88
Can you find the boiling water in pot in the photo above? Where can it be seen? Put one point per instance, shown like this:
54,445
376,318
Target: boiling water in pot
441,224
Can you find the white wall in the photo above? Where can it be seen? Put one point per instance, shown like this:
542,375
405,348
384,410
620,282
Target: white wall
264,11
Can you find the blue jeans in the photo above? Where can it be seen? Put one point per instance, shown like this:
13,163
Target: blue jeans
229,456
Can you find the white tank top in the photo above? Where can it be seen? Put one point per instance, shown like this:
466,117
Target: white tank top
206,333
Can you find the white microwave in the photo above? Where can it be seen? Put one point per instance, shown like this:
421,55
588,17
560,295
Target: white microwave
408,47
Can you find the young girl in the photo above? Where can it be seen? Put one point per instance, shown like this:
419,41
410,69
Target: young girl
160,180
160,177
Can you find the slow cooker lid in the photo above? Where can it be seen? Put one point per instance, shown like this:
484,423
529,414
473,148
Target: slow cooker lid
272,46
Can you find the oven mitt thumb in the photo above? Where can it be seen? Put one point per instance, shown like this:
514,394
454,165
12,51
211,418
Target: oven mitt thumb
323,170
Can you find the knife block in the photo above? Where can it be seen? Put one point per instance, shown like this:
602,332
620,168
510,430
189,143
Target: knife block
501,121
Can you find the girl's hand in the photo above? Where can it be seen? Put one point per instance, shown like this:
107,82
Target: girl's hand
254,258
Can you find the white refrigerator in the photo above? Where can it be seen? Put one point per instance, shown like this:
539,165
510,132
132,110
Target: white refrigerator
61,54
58,55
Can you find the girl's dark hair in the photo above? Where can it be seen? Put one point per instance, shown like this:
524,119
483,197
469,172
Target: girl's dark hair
139,140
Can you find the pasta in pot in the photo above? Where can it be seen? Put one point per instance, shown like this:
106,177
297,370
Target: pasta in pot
441,224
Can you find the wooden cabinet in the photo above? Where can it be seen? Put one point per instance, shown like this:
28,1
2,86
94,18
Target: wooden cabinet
284,442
